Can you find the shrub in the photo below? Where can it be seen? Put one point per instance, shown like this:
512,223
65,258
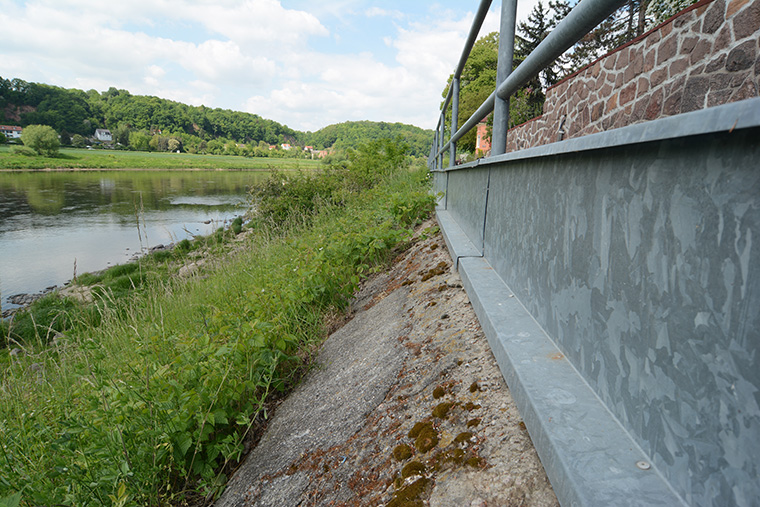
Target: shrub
42,139
24,151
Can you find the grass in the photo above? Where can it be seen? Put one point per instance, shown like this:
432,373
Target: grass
71,158
152,405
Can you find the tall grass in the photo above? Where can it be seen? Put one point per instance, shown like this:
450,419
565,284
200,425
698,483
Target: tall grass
155,403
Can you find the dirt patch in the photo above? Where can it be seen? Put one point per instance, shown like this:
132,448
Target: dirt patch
408,407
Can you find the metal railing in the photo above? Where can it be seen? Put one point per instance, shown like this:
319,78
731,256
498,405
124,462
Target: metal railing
582,18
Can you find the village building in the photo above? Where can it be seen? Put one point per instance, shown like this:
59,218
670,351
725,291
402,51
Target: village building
11,131
103,135
483,143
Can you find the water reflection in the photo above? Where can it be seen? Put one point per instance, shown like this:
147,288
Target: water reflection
49,221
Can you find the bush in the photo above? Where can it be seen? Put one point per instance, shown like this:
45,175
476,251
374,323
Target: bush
78,141
24,151
42,139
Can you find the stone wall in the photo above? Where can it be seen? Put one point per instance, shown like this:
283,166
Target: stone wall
705,56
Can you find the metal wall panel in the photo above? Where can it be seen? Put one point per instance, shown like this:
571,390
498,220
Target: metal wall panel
466,201
639,262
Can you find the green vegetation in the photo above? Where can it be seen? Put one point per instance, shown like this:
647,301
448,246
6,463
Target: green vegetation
152,124
42,139
146,397
70,158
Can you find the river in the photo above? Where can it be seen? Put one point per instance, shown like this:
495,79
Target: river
52,223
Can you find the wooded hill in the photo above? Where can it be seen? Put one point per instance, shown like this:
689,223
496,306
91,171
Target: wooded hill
135,120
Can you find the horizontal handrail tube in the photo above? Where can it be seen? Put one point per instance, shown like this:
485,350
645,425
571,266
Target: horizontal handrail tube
582,19
477,24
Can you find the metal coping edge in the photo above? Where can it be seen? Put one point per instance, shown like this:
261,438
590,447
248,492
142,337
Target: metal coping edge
725,118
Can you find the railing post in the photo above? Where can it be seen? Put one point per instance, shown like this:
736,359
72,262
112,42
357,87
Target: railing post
454,121
503,69
442,136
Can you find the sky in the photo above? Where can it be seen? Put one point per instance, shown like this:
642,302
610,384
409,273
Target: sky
303,63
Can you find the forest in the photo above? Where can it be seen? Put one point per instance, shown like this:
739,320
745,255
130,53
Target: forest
154,124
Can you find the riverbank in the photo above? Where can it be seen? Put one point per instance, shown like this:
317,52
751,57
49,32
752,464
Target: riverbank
149,399
406,406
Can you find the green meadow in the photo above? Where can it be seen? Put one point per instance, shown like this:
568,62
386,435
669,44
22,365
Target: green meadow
78,159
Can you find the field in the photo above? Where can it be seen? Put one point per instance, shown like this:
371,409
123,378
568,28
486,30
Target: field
80,159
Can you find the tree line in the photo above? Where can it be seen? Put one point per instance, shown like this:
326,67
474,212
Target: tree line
479,74
153,124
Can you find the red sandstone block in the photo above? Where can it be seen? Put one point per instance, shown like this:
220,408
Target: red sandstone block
667,50
596,69
723,40
688,44
612,103
642,85
653,39
700,51
742,57
609,62
747,90
683,20
714,17
679,67
622,59
735,6
597,110
672,104
747,21
718,98
654,107
649,60
658,77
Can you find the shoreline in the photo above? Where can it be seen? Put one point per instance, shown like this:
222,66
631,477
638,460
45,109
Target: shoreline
135,169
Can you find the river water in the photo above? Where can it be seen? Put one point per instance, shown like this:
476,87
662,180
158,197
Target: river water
51,222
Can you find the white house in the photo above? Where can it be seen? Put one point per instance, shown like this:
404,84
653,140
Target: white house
11,131
103,135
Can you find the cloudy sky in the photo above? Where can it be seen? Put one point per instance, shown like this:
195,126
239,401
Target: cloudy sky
304,63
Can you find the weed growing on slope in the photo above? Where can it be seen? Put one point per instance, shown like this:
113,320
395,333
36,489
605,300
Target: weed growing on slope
156,402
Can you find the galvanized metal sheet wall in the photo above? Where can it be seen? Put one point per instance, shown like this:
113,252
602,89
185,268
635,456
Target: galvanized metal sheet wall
639,262
466,201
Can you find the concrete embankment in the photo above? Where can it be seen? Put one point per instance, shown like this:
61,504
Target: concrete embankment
406,406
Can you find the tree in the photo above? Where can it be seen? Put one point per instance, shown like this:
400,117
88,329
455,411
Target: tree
78,141
660,10
42,139
477,82
533,31
139,140
121,134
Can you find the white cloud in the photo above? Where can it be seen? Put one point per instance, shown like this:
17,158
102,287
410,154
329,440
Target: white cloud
373,12
313,63
264,22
